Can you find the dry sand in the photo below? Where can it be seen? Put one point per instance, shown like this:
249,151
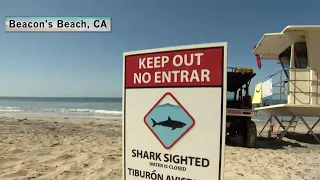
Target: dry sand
90,148
297,158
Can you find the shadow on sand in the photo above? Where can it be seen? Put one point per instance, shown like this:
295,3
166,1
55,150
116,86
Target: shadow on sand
274,143
303,138
268,143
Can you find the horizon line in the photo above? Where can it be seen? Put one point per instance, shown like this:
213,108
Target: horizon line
61,96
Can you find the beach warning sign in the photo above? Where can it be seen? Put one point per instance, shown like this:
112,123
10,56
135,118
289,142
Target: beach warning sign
174,107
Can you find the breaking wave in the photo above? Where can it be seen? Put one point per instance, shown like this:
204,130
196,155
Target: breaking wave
60,111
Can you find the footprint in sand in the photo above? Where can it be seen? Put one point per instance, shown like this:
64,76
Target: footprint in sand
62,158
16,151
19,173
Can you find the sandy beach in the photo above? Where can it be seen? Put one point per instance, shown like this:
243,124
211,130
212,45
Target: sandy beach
85,148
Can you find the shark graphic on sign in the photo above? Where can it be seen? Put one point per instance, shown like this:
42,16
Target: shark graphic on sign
169,123
168,120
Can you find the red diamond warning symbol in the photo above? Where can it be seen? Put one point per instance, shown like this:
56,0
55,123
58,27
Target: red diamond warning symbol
168,120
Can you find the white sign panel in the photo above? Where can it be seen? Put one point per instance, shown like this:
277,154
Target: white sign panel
174,110
267,88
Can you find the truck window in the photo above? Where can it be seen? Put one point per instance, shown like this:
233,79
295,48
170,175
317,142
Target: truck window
301,55
230,96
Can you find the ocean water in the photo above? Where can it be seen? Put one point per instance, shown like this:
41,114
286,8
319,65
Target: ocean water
79,106
82,106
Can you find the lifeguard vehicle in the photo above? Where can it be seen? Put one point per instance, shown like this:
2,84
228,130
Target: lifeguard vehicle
239,125
294,90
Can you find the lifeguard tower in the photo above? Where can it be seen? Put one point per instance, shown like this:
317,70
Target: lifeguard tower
293,91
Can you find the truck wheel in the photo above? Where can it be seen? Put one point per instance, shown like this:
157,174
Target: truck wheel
251,134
